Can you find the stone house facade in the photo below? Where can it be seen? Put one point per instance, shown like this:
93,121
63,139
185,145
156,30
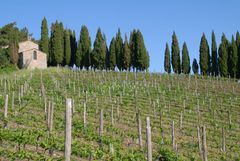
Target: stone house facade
30,57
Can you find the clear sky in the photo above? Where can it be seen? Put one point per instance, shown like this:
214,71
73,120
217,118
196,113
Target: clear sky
157,19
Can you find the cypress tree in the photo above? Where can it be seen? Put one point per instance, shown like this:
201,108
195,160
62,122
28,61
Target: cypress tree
233,59
175,55
67,48
61,28
73,43
185,59
204,56
126,55
119,50
214,56
50,55
107,59
133,47
167,63
106,52
44,41
99,51
195,66
13,45
84,49
142,56
56,45
112,55
238,48
223,56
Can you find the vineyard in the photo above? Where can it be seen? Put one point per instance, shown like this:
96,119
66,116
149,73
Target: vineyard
191,117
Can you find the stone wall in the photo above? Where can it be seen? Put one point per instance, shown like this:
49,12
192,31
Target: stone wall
30,63
26,49
27,45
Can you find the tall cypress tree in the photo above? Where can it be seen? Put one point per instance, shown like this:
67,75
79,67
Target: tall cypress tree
142,56
56,45
238,48
61,28
133,48
84,49
50,55
214,56
204,56
106,52
67,48
223,56
119,50
73,47
99,51
126,55
233,58
112,55
44,41
195,66
167,62
185,59
175,55
13,39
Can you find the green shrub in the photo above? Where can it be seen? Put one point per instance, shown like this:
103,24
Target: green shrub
4,59
167,155
8,69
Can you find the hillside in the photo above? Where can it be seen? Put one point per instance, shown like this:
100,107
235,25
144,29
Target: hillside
188,101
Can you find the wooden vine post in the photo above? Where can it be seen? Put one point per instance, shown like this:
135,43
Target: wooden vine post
13,99
51,117
139,129
84,115
48,114
6,106
173,136
68,130
112,116
223,140
180,120
101,123
161,126
199,142
204,143
149,140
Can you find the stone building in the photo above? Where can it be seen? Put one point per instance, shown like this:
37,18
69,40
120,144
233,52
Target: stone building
30,57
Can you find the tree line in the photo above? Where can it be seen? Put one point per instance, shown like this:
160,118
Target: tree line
220,61
62,48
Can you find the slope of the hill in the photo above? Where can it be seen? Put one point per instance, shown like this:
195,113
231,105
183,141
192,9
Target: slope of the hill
188,101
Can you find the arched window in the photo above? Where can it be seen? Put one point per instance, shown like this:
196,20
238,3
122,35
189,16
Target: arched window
34,55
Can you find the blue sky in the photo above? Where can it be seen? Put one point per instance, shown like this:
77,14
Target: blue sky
157,19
